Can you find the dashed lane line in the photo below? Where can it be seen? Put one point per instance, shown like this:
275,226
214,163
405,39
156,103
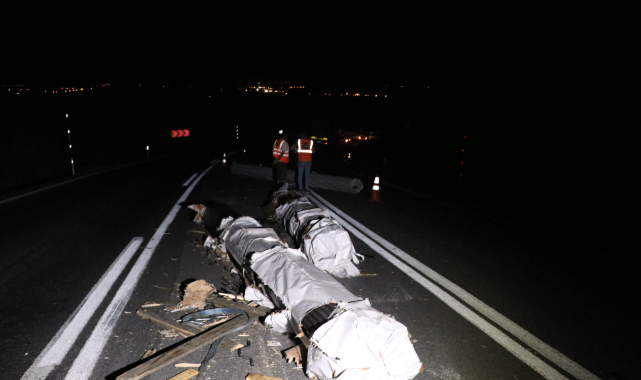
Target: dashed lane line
189,180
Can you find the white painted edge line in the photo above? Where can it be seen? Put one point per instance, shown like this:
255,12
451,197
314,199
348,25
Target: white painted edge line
214,162
189,180
550,353
59,346
70,180
88,356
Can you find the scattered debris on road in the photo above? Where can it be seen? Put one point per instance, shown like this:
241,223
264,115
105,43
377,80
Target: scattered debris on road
152,304
168,323
187,365
185,375
231,345
148,353
171,333
251,361
195,294
185,347
296,355
342,332
253,376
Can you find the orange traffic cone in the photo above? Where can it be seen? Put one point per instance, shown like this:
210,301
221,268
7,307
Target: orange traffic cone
375,197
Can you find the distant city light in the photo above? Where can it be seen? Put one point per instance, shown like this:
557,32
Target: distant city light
66,115
147,147
69,146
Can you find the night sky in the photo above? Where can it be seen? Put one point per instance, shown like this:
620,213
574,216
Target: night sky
463,44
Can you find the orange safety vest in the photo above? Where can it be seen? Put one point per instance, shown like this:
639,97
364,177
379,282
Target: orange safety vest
305,149
278,147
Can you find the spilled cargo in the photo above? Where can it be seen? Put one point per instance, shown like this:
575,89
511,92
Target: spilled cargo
346,337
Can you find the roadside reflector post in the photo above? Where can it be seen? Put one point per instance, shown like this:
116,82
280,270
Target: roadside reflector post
375,196
73,168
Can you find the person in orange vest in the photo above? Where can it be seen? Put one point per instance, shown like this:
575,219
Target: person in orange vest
281,158
305,149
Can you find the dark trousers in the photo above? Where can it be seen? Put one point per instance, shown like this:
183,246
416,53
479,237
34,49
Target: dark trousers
304,170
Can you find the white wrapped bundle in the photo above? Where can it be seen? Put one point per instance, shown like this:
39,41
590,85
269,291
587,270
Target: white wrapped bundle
330,248
362,343
297,282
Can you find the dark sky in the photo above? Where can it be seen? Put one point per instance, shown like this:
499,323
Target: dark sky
328,42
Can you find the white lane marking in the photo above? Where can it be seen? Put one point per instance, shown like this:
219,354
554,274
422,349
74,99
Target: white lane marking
58,347
189,180
71,180
86,360
214,162
550,353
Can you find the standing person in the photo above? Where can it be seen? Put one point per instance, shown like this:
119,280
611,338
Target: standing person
281,159
305,149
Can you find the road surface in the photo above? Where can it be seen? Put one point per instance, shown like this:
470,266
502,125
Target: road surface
481,299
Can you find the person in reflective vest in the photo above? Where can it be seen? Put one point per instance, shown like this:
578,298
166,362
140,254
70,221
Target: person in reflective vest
281,159
305,149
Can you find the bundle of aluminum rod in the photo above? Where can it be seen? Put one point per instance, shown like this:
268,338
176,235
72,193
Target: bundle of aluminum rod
347,336
323,240
348,339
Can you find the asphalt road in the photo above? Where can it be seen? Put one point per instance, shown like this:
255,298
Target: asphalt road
57,244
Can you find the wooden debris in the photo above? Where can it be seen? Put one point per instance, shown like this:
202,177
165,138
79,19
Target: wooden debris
151,304
195,294
182,349
171,333
215,323
252,311
253,376
297,355
168,323
366,274
148,353
184,375
200,212
231,345
187,365
227,295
